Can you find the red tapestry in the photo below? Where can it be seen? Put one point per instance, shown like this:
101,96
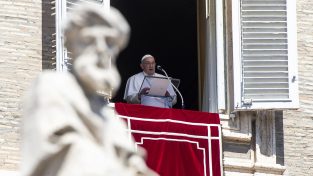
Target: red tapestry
178,142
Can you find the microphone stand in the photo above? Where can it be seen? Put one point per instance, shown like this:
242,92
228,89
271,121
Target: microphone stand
181,97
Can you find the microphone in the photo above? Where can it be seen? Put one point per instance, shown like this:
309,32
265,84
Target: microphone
181,97
159,67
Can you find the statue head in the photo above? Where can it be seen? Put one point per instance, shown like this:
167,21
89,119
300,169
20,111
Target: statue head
94,37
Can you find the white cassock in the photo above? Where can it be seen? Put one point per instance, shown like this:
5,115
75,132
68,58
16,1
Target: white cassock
132,91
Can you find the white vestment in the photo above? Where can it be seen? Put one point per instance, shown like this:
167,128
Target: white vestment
133,87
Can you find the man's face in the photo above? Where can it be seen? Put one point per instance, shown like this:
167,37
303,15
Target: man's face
148,65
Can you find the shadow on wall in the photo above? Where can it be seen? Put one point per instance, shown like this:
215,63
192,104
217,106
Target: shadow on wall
48,36
279,126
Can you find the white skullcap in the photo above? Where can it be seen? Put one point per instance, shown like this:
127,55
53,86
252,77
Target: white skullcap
146,56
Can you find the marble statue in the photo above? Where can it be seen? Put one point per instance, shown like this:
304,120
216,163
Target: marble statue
68,129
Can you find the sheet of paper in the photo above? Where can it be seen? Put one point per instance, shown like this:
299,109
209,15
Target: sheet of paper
158,86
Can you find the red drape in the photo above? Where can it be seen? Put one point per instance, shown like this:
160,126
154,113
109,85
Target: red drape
178,142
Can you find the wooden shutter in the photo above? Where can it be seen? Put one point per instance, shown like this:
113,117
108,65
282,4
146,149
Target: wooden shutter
265,71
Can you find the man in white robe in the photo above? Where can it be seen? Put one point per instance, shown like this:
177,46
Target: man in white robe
136,94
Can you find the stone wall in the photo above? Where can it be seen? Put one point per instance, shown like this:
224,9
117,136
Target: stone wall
293,128
298,124
20,61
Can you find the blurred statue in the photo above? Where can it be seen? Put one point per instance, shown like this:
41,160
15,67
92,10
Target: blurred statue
68,129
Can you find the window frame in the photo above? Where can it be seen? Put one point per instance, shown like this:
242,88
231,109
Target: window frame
60,17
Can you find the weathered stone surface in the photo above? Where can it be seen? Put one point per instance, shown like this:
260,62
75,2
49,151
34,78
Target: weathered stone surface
21,60
298,124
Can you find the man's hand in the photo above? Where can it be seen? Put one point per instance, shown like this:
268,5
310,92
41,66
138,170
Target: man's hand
144,91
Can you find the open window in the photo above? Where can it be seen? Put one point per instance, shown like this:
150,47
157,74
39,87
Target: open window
264,54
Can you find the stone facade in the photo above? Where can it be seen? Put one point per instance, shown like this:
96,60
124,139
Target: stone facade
27,28
277,142
25,49
298,124
21,50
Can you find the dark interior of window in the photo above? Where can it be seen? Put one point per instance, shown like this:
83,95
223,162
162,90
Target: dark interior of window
166,29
